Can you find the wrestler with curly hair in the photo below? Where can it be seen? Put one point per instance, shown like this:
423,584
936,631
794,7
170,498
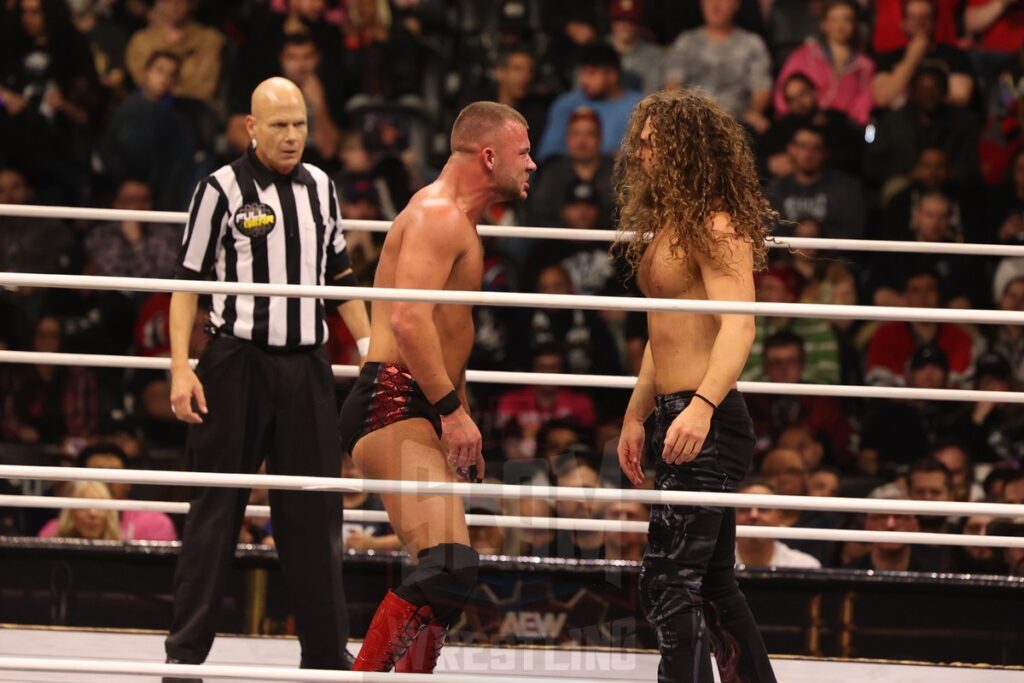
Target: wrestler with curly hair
697,227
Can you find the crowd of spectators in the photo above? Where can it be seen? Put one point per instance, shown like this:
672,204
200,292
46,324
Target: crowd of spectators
877,119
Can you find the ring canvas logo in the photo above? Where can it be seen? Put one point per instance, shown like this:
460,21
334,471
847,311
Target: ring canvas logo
546,625
255,220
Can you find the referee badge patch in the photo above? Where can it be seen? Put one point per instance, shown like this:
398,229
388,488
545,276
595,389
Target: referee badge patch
255,220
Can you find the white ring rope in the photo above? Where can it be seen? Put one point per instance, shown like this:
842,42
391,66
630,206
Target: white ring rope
521,300
509,491
555,379
254,673
554,523
571,234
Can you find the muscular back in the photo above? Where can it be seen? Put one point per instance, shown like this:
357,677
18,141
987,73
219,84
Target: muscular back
681,343
431,245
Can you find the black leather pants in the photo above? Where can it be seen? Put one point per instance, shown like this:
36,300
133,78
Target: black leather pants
687,586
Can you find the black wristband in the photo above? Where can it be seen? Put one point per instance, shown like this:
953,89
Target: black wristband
448,404
706,400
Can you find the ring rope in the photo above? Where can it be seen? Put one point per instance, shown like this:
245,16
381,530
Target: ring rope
511,491
553,523
521,300
571,234
252,673
556,379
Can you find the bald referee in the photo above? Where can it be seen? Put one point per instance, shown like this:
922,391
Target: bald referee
263,389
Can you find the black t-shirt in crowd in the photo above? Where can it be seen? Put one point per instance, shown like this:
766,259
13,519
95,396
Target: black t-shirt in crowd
946,57
835,200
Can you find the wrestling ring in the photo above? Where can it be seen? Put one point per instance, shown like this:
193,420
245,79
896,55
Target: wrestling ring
67,654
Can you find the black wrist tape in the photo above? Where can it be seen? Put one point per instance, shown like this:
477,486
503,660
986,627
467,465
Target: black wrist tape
448,404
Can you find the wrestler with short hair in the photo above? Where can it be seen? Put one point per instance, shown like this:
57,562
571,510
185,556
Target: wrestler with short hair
406,417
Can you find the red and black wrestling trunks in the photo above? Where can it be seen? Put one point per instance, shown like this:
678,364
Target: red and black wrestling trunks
383,394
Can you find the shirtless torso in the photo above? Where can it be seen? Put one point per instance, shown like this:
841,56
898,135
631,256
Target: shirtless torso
680,343
403,249
689,351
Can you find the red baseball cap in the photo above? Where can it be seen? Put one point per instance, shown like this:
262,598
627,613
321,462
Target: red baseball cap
585,113
626,10
783,274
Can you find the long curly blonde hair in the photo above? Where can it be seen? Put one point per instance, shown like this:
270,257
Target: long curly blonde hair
701,164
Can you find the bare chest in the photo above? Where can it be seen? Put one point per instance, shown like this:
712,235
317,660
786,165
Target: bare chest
666,275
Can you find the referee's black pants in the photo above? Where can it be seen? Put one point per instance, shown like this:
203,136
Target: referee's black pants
278,406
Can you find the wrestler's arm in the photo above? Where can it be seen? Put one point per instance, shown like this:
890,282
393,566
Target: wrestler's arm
431,244
731,281
641,403
462,391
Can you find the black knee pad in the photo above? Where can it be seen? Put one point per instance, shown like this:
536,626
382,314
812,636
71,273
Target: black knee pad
444,578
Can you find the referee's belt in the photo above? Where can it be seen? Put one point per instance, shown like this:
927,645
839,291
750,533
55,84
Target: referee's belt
213,331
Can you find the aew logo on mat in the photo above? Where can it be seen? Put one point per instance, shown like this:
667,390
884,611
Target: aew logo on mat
255,220
544,625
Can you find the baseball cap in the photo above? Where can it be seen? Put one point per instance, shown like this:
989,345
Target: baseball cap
359,189
582,192
783,274
890,491
514,15
992,364
584,113
1009,269
929,354
600,55
626,10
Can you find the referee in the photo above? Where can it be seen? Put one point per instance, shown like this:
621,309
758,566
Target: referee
263,389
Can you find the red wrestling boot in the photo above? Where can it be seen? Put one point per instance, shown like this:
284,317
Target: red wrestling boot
421,657
395,626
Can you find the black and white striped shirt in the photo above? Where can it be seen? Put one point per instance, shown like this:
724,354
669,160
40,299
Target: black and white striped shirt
249,224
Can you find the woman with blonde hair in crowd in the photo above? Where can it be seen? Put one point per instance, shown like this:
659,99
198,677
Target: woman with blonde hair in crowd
90,523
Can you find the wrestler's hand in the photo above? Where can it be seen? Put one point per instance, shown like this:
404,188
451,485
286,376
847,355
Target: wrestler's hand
686,434
462,439
185,385
631,446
